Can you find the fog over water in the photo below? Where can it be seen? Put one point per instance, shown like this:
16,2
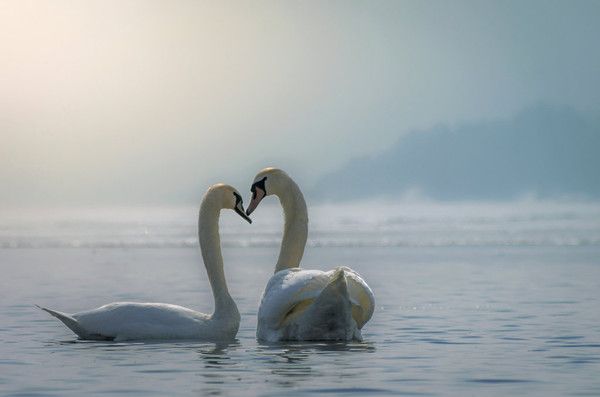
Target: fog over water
135,102
374,223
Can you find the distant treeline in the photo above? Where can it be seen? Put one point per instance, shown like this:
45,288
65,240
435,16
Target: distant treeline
548,151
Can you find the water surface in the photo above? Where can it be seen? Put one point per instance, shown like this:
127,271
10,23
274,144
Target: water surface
479,301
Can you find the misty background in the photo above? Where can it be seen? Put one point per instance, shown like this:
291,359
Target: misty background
149,102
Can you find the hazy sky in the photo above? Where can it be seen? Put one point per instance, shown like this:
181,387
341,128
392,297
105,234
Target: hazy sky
150,101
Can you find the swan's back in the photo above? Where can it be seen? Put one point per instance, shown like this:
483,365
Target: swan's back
145,321
131,320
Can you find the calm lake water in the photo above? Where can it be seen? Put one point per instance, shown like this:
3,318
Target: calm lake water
472,299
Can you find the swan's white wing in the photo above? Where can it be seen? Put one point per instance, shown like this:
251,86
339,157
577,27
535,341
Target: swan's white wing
130,320
286,289
291,293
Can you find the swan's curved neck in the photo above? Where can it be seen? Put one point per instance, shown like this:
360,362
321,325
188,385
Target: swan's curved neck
210,244
295,230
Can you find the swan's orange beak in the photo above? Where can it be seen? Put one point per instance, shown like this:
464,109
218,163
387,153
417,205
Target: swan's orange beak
256,199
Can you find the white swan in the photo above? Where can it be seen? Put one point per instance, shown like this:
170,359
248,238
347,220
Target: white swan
138,321
302,304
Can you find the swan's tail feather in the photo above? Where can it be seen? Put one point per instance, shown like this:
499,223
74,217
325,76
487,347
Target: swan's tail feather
67,320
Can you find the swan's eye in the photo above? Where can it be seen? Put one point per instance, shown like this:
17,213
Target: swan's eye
258,185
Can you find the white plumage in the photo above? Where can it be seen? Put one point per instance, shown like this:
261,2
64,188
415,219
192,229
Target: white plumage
138,321
300,304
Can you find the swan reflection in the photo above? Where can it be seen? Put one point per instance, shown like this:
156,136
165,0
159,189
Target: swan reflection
292,363
217,355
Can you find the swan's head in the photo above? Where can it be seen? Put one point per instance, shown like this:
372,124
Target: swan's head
267,182
228,197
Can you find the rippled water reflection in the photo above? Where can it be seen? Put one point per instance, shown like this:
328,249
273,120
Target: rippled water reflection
449,321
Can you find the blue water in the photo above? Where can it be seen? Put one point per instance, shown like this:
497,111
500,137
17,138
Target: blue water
460,310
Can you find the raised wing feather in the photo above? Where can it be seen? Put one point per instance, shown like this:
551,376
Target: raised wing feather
361,296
